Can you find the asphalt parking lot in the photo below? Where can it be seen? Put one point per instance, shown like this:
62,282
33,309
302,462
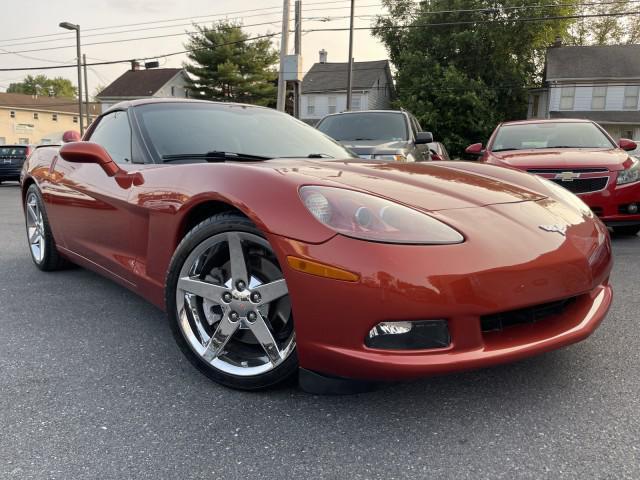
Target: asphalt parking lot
92,386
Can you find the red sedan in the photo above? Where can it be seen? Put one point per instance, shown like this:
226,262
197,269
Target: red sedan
274,251
580,156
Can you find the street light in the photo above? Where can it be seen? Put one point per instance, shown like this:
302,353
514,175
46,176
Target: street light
71,26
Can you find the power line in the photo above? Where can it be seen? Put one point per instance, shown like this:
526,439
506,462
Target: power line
388,27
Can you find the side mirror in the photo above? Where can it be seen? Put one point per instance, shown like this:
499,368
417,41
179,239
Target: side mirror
88,152
424,137
71,136
475,149
627,145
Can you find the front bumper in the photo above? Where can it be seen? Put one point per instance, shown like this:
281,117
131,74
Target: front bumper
461,283
611,203
10,172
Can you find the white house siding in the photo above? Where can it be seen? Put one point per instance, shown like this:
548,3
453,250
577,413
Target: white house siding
179,83
321,102
583,96
379,95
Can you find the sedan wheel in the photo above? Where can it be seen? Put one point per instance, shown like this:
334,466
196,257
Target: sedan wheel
35,228
231,304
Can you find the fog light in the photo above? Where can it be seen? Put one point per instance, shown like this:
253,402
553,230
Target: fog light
417,335
633,208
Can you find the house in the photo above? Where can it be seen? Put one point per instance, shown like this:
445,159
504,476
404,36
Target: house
324,88
599,83
152,82
26,119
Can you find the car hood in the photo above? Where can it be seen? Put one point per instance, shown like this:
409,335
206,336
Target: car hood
369,147
612,159
425,186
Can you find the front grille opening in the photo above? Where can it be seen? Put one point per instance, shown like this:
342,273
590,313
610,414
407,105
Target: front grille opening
584,185
500,321
598,211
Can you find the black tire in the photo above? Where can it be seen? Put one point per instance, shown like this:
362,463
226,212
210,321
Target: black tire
627,230
215,225
51,260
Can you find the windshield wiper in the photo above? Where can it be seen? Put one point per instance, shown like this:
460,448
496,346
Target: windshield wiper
214,156
505,149
311,155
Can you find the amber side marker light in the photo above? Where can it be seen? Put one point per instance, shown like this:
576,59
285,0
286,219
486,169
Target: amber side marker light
321,270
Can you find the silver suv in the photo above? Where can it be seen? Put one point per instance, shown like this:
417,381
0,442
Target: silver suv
387,135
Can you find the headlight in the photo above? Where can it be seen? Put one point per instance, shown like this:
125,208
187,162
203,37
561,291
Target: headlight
368,217
398,157
631,174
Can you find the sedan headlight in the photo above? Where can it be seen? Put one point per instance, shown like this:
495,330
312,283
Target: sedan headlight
631,174
396,157
368,217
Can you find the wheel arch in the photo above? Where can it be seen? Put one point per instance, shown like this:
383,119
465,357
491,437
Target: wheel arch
202,210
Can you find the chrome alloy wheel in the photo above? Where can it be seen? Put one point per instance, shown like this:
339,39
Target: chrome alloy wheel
35,228
233,305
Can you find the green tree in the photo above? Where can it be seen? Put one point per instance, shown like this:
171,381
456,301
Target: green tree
464,65
606,30
229,67
44,86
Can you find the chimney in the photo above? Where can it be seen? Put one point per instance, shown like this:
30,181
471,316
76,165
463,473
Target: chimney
323,56
135,65
557,43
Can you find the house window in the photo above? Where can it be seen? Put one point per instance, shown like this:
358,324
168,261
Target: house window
23,141
356,102
631,97
35,116
75,119
332,104
46,141
311,105
173,91
567,95
12,114
54,117
599,98
3,140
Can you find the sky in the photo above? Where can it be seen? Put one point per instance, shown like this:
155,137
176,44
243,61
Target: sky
109,20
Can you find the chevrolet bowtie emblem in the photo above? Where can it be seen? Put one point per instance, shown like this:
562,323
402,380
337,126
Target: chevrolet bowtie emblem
567,176
561,229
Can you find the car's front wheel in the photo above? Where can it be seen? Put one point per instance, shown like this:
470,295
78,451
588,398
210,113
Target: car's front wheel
627,230
42,245
228,305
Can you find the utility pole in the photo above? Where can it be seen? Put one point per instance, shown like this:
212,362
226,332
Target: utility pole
71,26
297,45
284,48
350,72
86,89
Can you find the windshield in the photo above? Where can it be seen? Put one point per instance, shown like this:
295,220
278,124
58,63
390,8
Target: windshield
13,151
176,129
389,126
550,135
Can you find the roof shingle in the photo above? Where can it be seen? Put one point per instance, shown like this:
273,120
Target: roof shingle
333,76
139,83
601,61
40,103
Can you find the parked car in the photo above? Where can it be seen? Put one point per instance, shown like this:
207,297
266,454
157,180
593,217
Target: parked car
438,151
379,134
11,159
275,251
580,156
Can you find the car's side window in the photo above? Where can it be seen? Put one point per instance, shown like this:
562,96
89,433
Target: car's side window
113,133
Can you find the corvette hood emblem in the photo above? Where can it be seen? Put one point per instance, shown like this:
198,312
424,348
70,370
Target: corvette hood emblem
561,229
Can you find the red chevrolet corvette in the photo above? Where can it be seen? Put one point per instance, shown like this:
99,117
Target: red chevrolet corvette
274,251
580,156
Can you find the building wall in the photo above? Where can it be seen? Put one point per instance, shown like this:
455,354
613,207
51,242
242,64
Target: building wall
24,128
380,94
321,103
583,97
